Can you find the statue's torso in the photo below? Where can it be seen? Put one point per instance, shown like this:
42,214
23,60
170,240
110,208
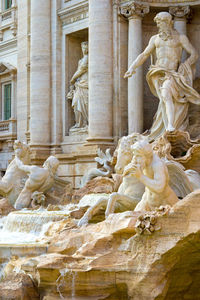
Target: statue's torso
168,52
83,62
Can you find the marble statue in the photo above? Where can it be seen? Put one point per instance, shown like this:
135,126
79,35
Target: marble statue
39,179
12,182
175,182
38,199
150,170
105,161
130,190
79,90
169,79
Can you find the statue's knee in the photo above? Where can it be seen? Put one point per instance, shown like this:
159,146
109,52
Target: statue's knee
166,94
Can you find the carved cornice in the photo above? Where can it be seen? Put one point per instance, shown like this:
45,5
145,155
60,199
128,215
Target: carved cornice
162,3
73,12
133,8
179,11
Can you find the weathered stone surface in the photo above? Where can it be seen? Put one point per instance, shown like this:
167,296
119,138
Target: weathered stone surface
18,287
60,193
5,207
109,258
95,186
69,241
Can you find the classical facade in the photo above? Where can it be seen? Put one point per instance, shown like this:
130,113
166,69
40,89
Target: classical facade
40,52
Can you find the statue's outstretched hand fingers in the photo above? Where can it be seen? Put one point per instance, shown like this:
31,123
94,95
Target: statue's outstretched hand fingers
129,74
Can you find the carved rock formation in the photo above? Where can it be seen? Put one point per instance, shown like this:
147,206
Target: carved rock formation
110,260
97,185
18,287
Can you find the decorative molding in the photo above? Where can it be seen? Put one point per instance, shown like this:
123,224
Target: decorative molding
6,68
8,45
134,8
8,130
179,11
163,3
73,12
8,20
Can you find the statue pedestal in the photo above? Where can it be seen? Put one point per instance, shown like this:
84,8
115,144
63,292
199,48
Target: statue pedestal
78,131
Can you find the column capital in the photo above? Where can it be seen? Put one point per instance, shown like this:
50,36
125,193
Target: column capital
134,9
179,11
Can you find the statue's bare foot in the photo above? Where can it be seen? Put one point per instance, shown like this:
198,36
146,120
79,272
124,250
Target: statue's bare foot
170,128
75,126
83,221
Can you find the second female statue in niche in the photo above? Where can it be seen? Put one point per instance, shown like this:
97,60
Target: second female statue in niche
79,90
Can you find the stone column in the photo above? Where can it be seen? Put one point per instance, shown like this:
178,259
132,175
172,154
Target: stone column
180,14
100,71
40,73
56,78
23,70
180,17
134,12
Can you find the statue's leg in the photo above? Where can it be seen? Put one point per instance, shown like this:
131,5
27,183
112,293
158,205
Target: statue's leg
24,199
102,202
166,92
143,205
127,202
111,204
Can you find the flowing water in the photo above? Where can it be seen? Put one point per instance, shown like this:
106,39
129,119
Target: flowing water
27,226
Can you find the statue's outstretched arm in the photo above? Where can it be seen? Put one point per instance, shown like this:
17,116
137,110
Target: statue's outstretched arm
141,58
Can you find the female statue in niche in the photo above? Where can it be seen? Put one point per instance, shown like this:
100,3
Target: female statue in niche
79,90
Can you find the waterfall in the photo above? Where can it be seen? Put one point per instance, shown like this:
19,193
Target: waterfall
27,226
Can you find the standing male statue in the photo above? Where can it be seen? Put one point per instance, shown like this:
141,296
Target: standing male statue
168,78
79,90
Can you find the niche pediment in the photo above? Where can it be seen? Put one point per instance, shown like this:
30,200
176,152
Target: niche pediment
6,68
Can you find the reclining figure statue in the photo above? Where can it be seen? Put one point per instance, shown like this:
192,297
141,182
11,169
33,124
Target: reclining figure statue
39,179
12,182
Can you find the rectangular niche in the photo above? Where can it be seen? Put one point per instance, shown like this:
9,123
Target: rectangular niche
73,55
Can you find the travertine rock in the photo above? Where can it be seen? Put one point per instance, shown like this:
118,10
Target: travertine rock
5,207
69,241
140,264
111,260
60,193
97,185
18,287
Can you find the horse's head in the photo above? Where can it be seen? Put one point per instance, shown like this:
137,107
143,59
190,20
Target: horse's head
123,153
